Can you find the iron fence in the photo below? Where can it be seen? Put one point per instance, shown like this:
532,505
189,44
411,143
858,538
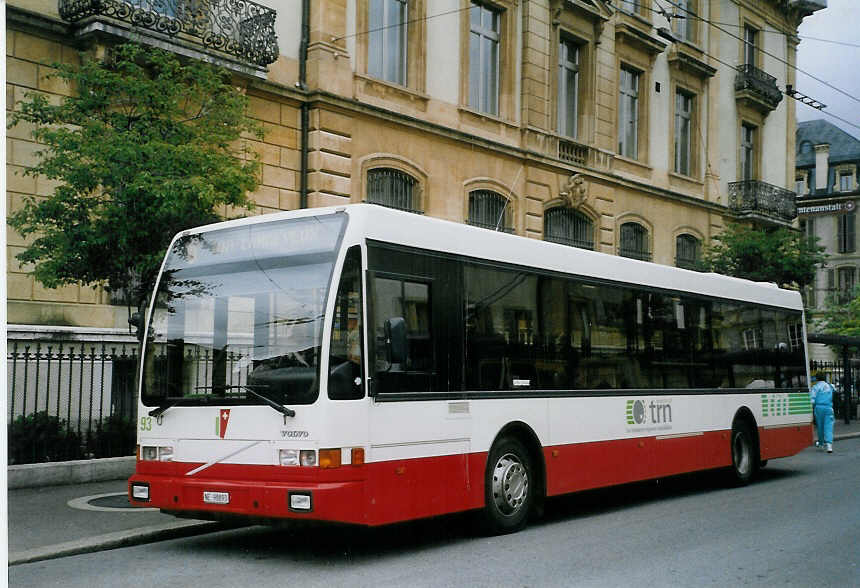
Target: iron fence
835,372
70,399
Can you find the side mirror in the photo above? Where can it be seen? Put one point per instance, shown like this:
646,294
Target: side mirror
395,339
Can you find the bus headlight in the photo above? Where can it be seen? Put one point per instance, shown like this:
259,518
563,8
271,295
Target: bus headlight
294,457
288,457
153,453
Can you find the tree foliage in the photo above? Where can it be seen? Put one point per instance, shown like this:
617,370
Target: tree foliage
783,256
146,147
841,318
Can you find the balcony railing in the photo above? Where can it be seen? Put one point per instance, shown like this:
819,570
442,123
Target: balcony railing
572,152
756,198
757,87
239,28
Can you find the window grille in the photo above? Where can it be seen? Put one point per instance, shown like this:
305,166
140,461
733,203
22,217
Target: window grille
634,242
391,188
489,210
568,227
688,251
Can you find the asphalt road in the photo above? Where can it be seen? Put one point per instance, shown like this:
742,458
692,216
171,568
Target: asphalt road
797,525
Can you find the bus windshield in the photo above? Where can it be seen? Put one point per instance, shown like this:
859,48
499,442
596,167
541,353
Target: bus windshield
238,314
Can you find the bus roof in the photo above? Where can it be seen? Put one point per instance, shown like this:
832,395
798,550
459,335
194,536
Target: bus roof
414,230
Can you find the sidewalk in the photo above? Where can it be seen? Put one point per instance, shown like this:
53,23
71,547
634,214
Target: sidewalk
43,525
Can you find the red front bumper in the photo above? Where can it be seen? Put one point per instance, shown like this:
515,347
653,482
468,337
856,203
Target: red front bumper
253,491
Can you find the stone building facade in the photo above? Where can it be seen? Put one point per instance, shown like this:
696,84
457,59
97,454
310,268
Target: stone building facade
637,127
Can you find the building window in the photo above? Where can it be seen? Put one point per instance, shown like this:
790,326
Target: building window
630,6
846,181
846,233
386,51
683,144
753,338
750,45
684,25
391,188
688,251
489,210
807,226
484,58
846,277
628,113
568,87
634,242
795,336
568,227
800,185
748,147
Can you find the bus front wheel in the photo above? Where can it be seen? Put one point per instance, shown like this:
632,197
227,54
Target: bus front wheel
509,487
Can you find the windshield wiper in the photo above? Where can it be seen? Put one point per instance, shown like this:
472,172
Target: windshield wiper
287,412
171,401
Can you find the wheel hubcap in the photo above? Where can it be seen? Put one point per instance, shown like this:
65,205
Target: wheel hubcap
742,456
510,484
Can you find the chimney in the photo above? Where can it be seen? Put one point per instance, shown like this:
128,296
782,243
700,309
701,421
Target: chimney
822,154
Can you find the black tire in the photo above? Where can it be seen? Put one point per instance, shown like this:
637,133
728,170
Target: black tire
744,455
509,487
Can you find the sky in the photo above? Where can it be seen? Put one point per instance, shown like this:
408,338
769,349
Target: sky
836,64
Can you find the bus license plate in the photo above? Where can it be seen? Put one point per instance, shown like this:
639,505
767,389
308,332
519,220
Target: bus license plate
216,497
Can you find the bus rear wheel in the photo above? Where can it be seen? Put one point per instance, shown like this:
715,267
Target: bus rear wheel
509,487
744,459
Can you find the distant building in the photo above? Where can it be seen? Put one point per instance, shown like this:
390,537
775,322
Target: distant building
827,198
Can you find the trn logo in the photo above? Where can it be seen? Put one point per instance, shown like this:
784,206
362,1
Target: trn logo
649,412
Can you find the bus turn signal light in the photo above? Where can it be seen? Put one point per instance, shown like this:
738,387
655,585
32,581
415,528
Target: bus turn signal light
329,458
357,455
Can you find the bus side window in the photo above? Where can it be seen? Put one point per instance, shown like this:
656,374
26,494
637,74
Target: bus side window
399,303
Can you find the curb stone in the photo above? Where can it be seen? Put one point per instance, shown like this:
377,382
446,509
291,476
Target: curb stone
150,534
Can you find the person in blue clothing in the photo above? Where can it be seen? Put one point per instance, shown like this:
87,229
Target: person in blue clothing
821,396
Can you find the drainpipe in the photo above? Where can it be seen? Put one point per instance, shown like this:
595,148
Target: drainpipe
305,110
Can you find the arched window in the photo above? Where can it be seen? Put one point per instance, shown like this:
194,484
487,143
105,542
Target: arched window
392,188
489,210
568,227
634,242
688,251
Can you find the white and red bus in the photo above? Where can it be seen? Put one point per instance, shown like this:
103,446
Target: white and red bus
365,365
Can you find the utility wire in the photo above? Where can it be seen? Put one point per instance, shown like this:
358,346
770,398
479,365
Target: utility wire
400,24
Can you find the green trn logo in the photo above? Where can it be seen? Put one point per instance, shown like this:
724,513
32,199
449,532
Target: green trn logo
774,405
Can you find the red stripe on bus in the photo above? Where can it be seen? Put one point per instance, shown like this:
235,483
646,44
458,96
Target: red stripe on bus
391,491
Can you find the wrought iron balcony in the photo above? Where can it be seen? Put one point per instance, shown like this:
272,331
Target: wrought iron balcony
756,199
239,28
757,88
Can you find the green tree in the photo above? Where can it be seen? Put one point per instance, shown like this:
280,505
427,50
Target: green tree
146,146
841,318
783,256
